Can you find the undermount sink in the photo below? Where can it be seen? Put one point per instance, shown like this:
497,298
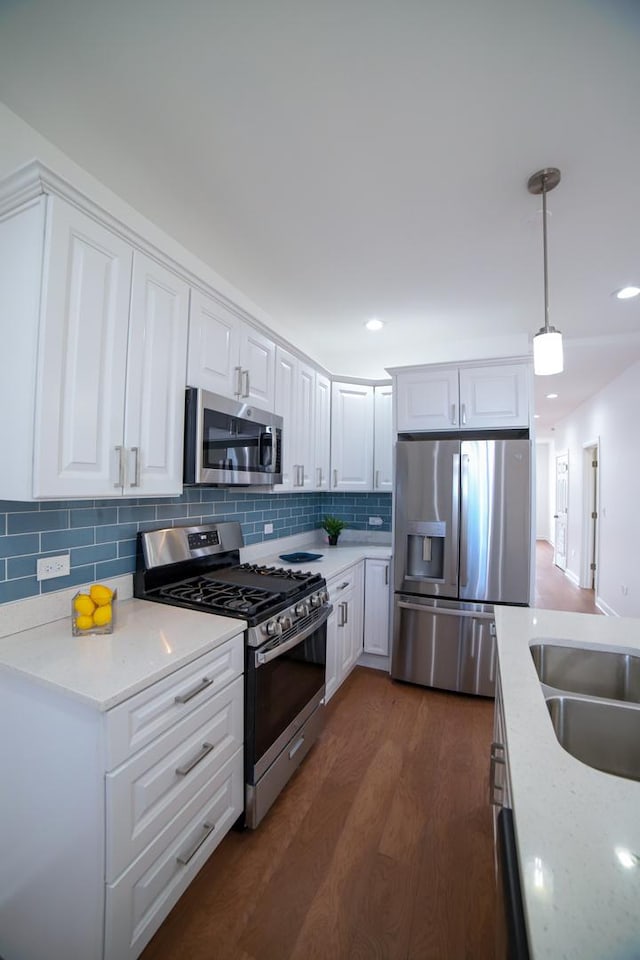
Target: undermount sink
593,673
603,735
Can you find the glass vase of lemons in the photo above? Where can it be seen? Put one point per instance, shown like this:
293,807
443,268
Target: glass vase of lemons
93,610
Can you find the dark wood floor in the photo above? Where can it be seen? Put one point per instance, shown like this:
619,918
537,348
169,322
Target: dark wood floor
554,590
380,847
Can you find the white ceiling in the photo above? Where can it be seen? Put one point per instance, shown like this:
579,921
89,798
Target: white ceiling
342,159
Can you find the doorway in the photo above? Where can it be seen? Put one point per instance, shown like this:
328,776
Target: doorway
590,472
561,512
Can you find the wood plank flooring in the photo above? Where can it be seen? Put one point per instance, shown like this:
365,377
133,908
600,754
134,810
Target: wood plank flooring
380,847
554,590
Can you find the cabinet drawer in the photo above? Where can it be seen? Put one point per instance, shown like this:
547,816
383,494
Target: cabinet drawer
145,794
341,585
141,899
135,723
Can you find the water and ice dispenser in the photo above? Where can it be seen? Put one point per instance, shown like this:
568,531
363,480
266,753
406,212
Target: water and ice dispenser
425,550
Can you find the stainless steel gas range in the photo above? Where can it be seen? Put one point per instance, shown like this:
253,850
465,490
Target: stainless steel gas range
286,611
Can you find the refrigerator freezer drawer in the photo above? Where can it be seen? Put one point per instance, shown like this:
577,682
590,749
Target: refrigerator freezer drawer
444,647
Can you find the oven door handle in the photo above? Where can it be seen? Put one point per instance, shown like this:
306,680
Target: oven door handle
282,648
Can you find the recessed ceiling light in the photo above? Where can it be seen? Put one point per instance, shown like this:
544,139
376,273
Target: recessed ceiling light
552,396
536,416
627,292
374,324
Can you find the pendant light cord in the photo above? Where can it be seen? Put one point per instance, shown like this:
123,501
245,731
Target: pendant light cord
544,253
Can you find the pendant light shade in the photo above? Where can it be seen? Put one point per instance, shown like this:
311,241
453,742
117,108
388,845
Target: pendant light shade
547,343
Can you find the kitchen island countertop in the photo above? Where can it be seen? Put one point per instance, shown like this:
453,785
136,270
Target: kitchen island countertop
578,829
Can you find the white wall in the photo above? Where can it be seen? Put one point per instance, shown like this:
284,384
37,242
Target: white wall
611,417
544,505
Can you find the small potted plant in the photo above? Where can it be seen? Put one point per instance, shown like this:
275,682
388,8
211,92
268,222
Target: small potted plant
333,527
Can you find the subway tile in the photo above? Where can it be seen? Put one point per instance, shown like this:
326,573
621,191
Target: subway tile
81,556
127,548
18,506
36,521
64,504
115,531
22,567
3,524
192,494
78,575
196,509
172,511
211,494
98,516
136,514
153,525
19,545
64,539
114,568
18,589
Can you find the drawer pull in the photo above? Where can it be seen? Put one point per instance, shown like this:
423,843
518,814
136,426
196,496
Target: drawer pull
184,858
190,694
190,764
295,748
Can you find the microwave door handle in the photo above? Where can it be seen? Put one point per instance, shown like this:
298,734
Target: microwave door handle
281,648
265,444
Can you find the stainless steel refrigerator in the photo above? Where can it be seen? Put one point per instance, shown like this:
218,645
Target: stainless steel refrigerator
462,542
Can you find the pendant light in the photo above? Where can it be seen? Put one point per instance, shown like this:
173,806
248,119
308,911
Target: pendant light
547,343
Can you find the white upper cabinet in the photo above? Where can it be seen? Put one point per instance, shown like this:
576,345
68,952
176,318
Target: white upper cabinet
228,356
101,405
383,438
463,398
322,432
351,437
299,401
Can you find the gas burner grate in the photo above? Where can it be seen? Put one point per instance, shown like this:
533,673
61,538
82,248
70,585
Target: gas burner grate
213,595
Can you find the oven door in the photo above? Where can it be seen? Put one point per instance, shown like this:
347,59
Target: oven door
285,684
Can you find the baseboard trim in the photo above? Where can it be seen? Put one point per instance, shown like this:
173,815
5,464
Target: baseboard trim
605,608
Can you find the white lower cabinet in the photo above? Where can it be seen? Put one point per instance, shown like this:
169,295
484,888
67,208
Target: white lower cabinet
135,800
376,607
345,626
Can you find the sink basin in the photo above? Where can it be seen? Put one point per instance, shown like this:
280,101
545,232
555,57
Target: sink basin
603,735
594,673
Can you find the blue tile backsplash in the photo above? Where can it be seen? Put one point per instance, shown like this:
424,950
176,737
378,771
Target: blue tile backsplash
100,535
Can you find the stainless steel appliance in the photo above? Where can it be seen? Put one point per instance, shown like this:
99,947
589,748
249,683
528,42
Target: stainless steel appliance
462,543
229,443
285,644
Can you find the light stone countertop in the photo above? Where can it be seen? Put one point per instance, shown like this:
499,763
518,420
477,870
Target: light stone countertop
150,641
334,560
578,829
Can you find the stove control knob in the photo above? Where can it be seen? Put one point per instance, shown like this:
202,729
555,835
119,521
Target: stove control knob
316,600
285,622
273,628
302,610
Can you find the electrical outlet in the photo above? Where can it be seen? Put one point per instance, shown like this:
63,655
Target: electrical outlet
49,567
268,528
375,521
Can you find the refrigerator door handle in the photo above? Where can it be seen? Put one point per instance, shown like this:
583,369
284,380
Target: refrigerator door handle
455,512
444,611
464,533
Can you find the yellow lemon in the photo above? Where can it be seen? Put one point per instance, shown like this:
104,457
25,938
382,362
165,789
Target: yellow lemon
84,605
100,594
84,623
102,616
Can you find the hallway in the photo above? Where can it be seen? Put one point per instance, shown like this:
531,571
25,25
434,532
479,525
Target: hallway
554,590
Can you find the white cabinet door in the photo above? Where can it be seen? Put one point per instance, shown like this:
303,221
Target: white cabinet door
214,346
494,396
258,367
351,436
156,380
376,607
285,407
322,433
428,400
306,406
82,357
383,439
344,627
331,674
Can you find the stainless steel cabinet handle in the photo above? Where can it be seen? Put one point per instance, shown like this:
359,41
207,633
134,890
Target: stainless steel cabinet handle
343,614
463,412
377,480
343,585
335,478
120,481
245,375
136,469
187,767
346,612
183,858
238,390
386,575
453,413
496,788
319,476
295,748
185,697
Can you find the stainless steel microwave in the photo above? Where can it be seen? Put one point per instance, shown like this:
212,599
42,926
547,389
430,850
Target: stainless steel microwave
229,442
